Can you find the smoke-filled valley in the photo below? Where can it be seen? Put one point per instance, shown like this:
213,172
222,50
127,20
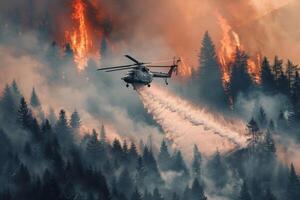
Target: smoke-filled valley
225,127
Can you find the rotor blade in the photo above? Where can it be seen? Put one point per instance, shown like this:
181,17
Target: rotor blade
160,66
113,70
121,66
131,58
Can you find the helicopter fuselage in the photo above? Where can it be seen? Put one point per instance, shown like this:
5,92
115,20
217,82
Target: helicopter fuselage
143,76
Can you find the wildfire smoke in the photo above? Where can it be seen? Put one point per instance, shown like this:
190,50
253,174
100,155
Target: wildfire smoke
81,37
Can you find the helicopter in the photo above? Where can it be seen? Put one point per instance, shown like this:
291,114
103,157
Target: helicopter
140,74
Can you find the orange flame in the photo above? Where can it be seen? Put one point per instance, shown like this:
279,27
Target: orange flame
80,38
254,68
229,42
184,70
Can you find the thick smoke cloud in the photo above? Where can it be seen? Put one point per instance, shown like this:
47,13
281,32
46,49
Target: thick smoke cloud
176,24
92,95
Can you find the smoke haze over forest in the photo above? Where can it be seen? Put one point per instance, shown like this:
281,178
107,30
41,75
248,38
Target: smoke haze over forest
226,127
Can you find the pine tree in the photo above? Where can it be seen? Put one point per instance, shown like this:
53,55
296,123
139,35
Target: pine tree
125,183
75,122
217,170
254,133
277,67
151,165
290,74
6,195
24,116
103,138
210,75
267,78
62,126
269,144
196,163
269,195
293,188
35,129
271,125
93,146
197,192
15,91
157,195
175,196
282,122
34,100
244,194
240,79
136,195
164,158
133,152
52,116
22,176
295,97
117,149
178,163
7,104
262,118
140,172
283,83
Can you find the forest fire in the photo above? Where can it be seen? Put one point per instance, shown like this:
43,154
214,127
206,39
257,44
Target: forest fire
254,68
80,37
184,71
229,43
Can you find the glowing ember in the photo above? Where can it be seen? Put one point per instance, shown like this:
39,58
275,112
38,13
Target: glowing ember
79,38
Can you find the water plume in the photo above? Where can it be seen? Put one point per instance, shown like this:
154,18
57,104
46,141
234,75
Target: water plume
186,124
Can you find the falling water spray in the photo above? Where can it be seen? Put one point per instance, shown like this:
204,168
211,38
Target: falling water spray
186,124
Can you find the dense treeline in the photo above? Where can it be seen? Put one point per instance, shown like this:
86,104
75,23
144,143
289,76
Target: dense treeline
275,79
43,157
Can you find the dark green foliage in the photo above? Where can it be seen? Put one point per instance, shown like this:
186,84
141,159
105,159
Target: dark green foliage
24,114
125,183
153,174
75,120
178,163
157,195
140,172
293,188
34,100
253,132
217,170
277,68
196,163
22,176
267,77
136,195
94,147
16,92
262,118
164,158
209,76
269,195
240,81
7,105
244,193
197,192
103,134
